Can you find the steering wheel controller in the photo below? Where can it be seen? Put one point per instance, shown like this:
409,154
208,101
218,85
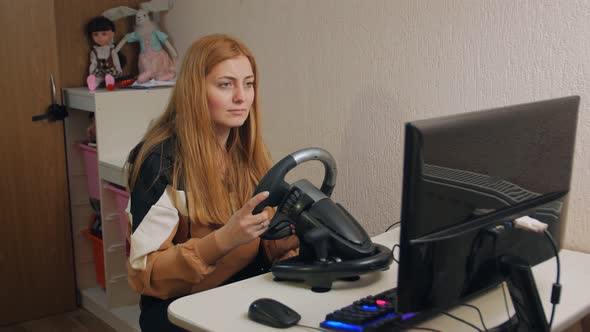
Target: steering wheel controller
328,234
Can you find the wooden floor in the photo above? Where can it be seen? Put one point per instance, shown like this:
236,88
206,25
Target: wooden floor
75,321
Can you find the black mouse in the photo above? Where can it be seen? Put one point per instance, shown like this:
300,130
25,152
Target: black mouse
272,313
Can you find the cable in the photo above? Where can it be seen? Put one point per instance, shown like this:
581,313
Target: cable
391,226
313,328
461,320
397,245
478,312
554,246
393,252
556,289
552,315
531,224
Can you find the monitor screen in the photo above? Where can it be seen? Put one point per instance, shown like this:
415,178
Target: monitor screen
464,176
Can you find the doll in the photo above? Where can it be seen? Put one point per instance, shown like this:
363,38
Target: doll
154,62
105,62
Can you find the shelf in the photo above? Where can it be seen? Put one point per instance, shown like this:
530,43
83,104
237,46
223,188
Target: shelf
79,98
83,99
122,118
113,172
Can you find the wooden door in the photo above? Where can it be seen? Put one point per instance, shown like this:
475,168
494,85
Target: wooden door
36,259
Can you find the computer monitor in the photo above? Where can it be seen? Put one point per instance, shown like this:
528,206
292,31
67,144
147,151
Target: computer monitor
466,175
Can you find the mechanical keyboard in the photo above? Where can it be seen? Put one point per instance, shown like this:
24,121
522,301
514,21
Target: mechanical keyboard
374,313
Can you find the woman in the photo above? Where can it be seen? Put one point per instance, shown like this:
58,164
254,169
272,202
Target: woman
191,180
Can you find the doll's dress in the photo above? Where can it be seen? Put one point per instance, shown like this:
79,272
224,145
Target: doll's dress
104,61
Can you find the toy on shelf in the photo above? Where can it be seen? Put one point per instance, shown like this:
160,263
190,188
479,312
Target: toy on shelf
154,62
105,62
91,130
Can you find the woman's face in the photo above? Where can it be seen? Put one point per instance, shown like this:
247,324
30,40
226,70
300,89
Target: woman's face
230,93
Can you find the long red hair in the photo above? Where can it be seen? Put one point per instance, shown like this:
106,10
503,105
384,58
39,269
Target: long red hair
198,153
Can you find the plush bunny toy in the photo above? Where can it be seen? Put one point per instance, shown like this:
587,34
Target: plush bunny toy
154,61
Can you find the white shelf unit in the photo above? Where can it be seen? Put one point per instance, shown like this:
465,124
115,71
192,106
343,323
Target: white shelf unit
121,118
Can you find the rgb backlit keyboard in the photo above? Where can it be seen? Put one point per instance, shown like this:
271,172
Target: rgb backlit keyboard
373,313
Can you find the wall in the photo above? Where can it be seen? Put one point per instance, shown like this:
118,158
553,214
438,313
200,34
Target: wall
346,75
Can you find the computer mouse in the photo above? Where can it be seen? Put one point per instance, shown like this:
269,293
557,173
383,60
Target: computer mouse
272,313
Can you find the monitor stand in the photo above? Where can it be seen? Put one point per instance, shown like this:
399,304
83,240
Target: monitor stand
530,315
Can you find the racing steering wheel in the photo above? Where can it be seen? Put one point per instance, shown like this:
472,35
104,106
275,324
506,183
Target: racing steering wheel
274,182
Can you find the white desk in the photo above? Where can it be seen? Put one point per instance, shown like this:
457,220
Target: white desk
225,308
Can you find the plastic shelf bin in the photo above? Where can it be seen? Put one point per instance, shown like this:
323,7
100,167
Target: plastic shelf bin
121,199
97,251
91,166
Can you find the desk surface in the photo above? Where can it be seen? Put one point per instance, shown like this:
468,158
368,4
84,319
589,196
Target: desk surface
225,308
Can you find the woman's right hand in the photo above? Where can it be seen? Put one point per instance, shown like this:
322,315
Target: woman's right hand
243,226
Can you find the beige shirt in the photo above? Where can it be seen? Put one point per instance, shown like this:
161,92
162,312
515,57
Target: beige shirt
197,264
